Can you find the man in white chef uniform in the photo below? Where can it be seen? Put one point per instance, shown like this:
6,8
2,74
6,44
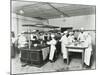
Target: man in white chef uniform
88,50
22,41
81,36
85,39
71,38
64,42
52,44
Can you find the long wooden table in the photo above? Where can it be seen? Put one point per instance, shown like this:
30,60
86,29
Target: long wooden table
73,48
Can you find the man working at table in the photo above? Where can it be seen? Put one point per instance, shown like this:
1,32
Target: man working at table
71,38
85,39
64,42
81,36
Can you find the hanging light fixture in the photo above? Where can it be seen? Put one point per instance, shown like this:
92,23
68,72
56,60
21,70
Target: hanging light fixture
21,12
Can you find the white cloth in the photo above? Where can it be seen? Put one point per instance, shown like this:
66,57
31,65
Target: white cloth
64,42
88,50
52,48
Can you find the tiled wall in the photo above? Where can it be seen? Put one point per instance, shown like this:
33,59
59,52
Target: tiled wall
85,21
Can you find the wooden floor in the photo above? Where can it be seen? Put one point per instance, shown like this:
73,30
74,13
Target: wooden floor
58,65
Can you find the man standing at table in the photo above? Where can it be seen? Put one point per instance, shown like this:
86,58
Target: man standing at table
64,42
71,38
81,36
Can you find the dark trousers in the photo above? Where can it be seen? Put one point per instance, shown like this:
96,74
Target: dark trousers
13,52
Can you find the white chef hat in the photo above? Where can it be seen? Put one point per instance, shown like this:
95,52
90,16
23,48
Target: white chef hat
81,28
52,35
34,30
65,32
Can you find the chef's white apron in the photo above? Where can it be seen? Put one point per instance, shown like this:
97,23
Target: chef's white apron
88,51
64,51
52,51
87,55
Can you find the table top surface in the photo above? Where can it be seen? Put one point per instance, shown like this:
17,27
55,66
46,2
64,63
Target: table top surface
78,46
38,48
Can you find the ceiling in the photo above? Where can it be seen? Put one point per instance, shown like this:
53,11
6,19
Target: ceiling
41,10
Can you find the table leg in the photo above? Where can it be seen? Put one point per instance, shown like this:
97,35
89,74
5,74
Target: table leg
82,58
67,57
